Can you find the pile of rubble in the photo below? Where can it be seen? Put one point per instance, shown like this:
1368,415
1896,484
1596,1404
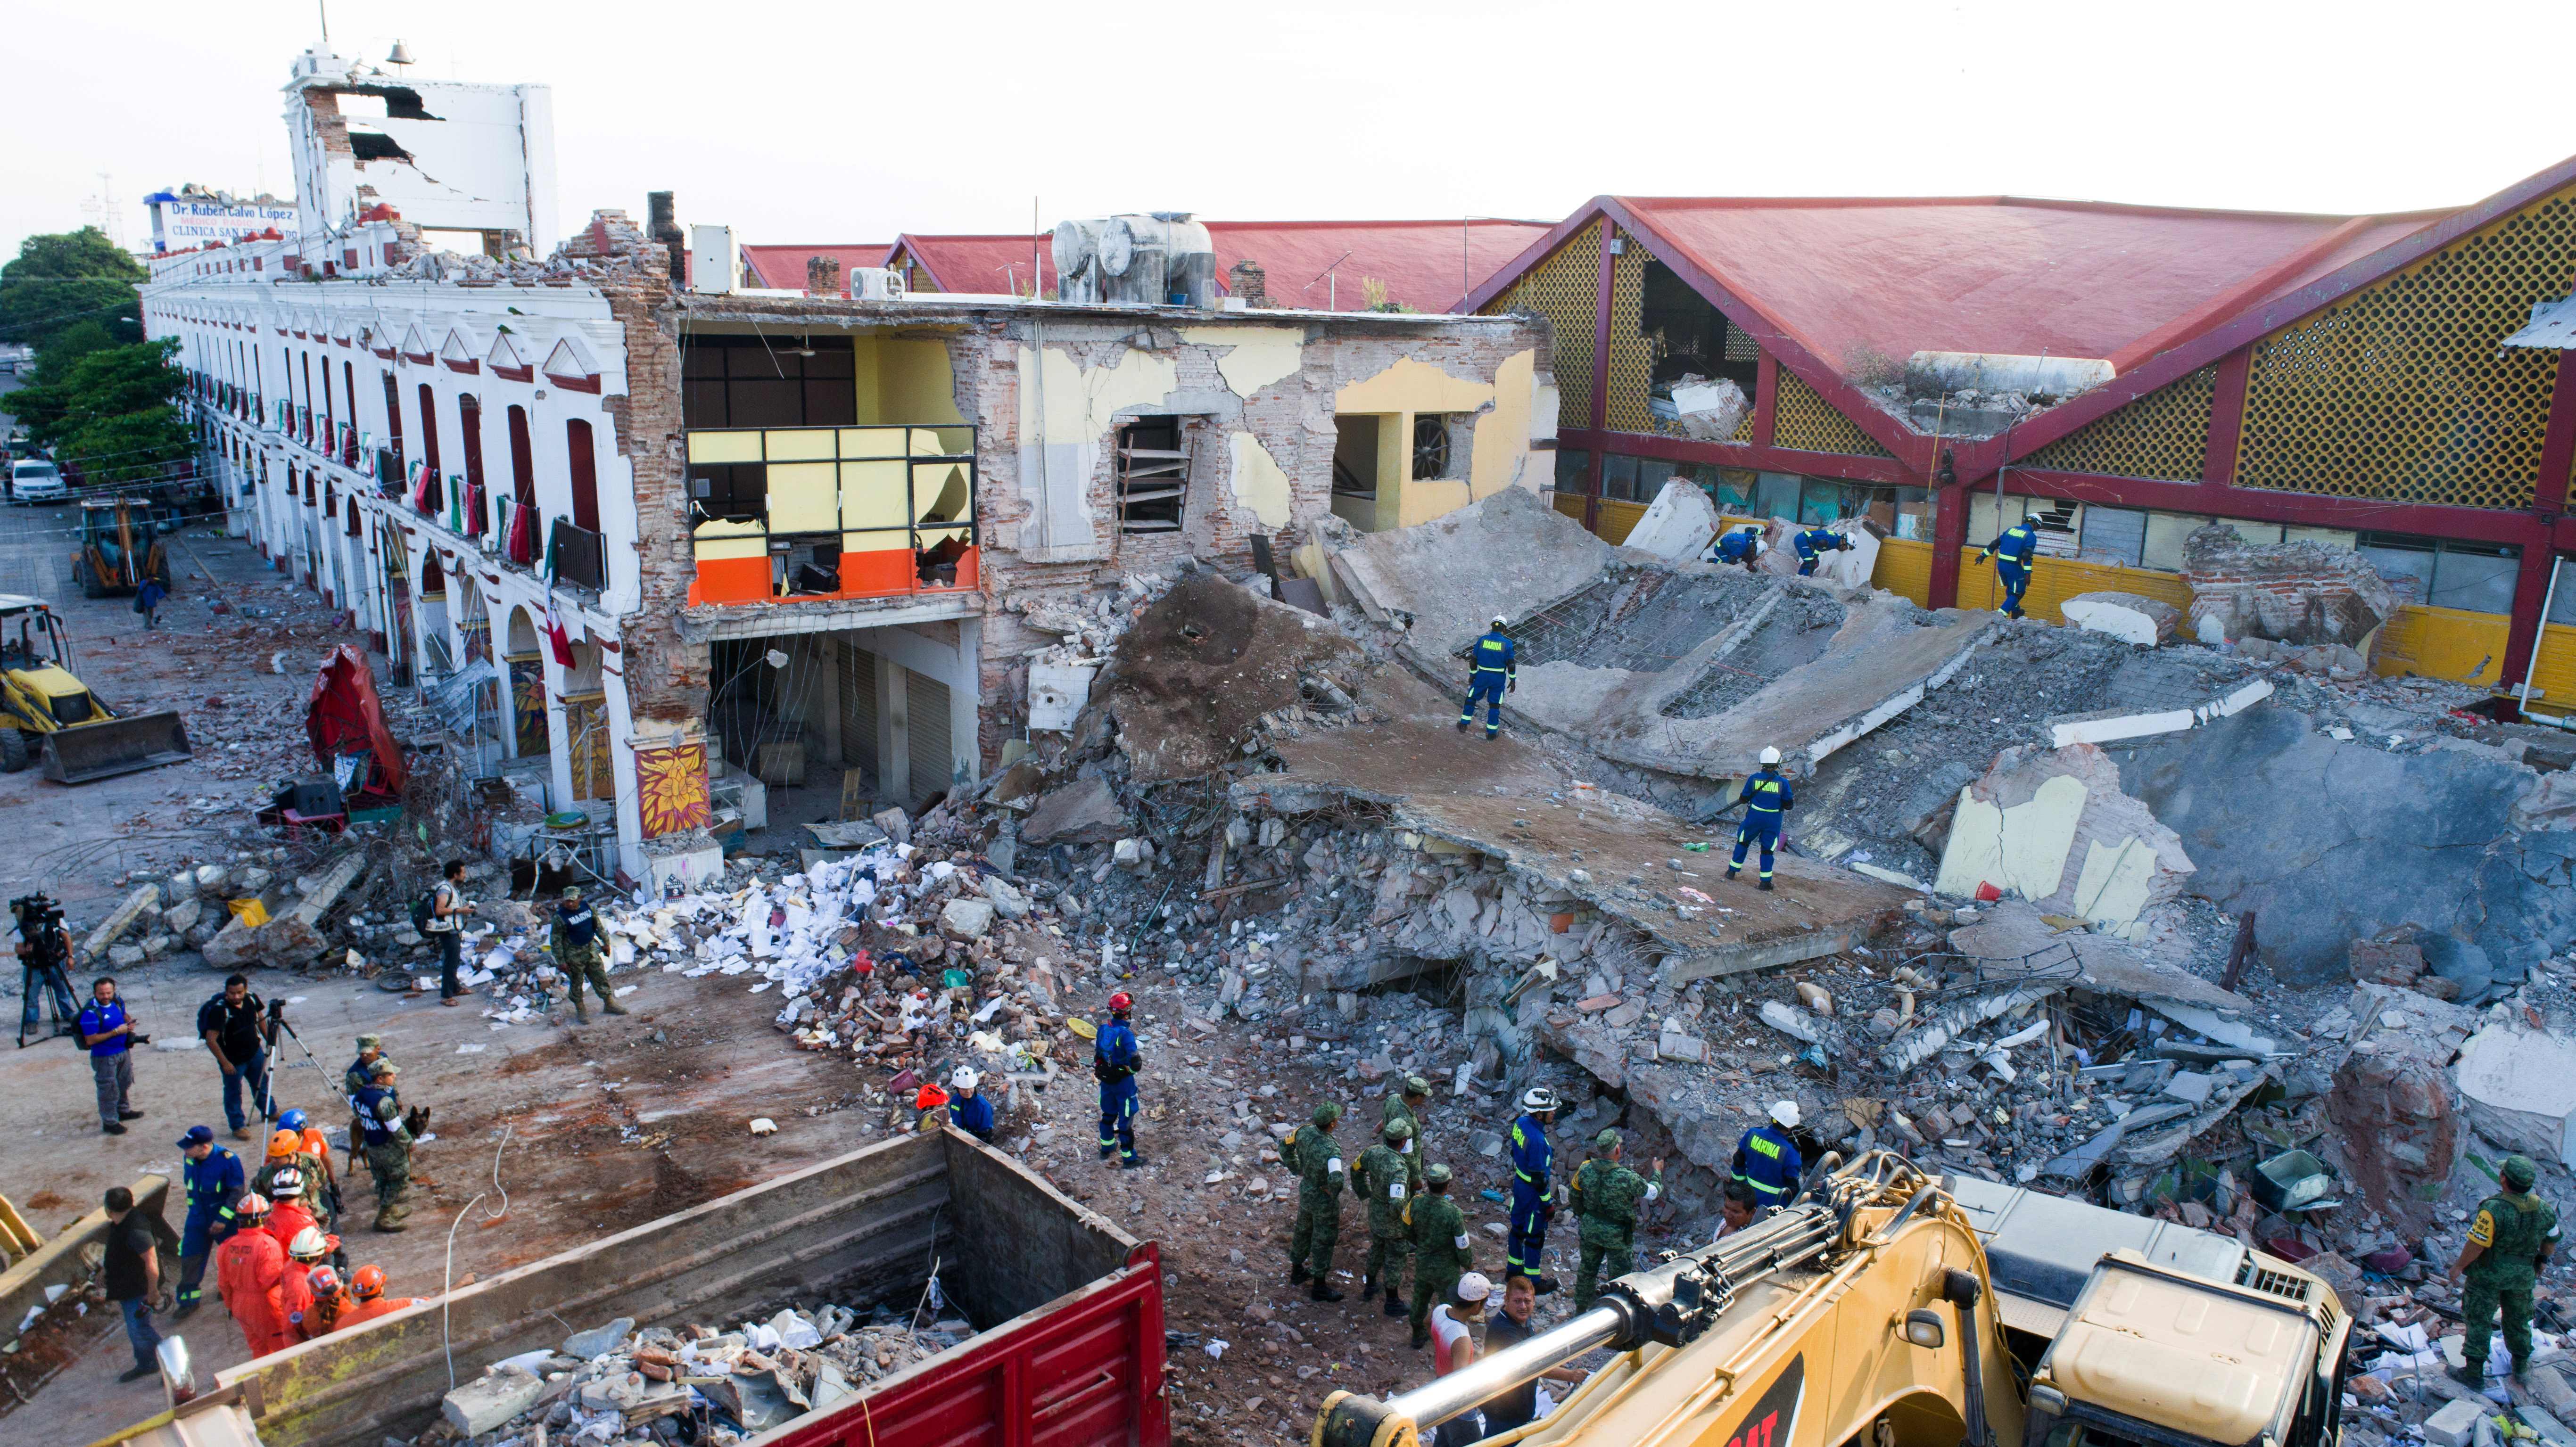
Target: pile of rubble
614,1383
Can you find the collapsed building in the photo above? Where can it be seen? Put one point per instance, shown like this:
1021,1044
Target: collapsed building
681,560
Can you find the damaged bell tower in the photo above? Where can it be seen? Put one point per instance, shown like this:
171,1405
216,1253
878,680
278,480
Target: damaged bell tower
444,155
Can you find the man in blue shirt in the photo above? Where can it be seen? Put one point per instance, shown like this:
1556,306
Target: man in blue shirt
1533,1158
1766,800
2012,550
211,1179
108,1036
1810,541
1492,672
1115,1061
1766,1159
968,1111
1743,546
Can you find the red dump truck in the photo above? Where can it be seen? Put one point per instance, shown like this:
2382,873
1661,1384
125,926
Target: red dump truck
1069,1351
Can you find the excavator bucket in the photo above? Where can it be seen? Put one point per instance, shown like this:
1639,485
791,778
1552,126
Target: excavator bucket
112,746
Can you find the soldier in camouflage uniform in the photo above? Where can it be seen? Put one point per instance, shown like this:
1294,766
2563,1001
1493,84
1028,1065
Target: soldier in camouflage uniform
2509,1242
1387,1178
575,940
1321,1180
1442,1250
1606,1197
1406,1103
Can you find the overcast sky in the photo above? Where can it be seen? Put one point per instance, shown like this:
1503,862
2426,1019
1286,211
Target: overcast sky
846,123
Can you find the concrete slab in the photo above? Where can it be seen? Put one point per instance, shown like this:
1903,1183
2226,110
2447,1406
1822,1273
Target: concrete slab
1615,854
2052,826
2520,1087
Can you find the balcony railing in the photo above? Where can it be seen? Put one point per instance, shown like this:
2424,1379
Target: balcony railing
578,556
789,514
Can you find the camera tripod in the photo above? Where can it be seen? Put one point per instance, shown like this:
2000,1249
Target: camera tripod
42,952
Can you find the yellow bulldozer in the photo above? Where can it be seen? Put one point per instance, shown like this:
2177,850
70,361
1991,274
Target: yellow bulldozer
45,708
1888,1309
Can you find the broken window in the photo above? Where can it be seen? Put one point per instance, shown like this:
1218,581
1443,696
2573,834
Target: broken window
768,381
1152,472
1691,337
1573,470
2441,572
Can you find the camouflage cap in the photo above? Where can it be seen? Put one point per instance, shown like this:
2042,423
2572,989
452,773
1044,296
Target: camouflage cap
1608,1140
1327,1113
2519,1173
383,1067
371,1042
572,891
1416,1085
1399,1129
1437,1174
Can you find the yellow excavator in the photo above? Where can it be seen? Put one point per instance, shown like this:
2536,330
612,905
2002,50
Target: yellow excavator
45,708
1888,1309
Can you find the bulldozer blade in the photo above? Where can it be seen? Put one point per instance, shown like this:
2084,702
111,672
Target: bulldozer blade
113,746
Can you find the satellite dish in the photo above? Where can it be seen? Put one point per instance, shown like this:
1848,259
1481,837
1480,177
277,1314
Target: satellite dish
1117,247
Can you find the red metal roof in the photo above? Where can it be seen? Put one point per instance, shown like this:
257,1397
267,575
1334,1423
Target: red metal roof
988,264
783,267
1426,265
1997,274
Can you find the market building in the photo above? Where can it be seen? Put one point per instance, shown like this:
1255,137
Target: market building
2130,372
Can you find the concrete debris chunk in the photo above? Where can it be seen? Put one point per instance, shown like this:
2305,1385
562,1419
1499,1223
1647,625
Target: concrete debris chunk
1082,812
2129,617
122,918
491,1400
967,918
2520,1086
2053,826
599,1340
1680,524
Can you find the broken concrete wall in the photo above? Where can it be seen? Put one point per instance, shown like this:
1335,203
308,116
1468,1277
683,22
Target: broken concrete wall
1203,665
1709,411
2052,826
2520,1086
2398,1126
1679,526
2333,841
2300,592
2129,617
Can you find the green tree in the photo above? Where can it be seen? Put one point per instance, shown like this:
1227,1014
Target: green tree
64,278
109,411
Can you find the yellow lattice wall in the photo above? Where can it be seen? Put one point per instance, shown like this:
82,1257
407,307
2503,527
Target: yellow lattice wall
1803,420
2164,434
2401,391
1632,353
1564,288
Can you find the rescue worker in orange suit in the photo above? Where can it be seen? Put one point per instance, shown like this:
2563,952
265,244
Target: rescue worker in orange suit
367,1291
288,1214
300,1289
250,1270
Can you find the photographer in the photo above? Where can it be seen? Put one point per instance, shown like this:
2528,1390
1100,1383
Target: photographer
44,962
108,1035
234,1026
447,910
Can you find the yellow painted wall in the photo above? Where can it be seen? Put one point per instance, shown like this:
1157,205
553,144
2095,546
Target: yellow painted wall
2553,678
1256,479
1254,357
1905,567
2445,643
1618,519
1499,455
906,379
2054,580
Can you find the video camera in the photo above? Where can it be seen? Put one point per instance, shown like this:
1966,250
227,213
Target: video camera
40,924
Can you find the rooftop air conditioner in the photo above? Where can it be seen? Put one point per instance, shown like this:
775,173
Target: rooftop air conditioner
875,283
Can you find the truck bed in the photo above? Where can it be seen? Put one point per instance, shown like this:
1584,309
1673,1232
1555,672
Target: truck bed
1069,1309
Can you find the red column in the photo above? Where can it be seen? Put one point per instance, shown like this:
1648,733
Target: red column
1766,392
1949,535
2548,499
2530,589
2226,418
1600,376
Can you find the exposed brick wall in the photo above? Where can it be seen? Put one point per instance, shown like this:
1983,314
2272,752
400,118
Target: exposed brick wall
666,676
2291,592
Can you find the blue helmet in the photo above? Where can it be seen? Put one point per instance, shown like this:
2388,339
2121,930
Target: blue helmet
292,1120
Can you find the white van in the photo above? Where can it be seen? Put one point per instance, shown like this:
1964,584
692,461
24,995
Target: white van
35,480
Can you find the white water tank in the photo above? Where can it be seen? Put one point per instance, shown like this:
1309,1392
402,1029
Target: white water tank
1076,253
1158,259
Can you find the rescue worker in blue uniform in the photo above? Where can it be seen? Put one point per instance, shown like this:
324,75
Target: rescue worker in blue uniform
1766,1159
211,1177
1115,1060
1743,546
1811,541
1533,1158
968,1109
2012,550
1766,799
1492,672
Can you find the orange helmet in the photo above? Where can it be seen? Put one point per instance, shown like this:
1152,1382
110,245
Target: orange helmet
368,1282
253,1206
1121,1003
324,1282
284,1143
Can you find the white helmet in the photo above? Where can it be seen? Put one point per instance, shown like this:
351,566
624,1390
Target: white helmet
965,1078
309,1245
1785,1114
1502,622
1538,1099
1770,755
1761,546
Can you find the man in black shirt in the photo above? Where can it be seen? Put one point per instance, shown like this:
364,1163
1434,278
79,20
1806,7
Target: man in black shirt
233,1025
131,1272
1519,1405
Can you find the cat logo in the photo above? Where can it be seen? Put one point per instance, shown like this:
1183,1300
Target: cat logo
1774,1415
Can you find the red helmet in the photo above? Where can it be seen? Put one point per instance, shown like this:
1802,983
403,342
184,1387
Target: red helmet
368,1282
1121,1003
324,1281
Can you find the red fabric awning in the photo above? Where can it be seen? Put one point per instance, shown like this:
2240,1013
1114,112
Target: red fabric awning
344,715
